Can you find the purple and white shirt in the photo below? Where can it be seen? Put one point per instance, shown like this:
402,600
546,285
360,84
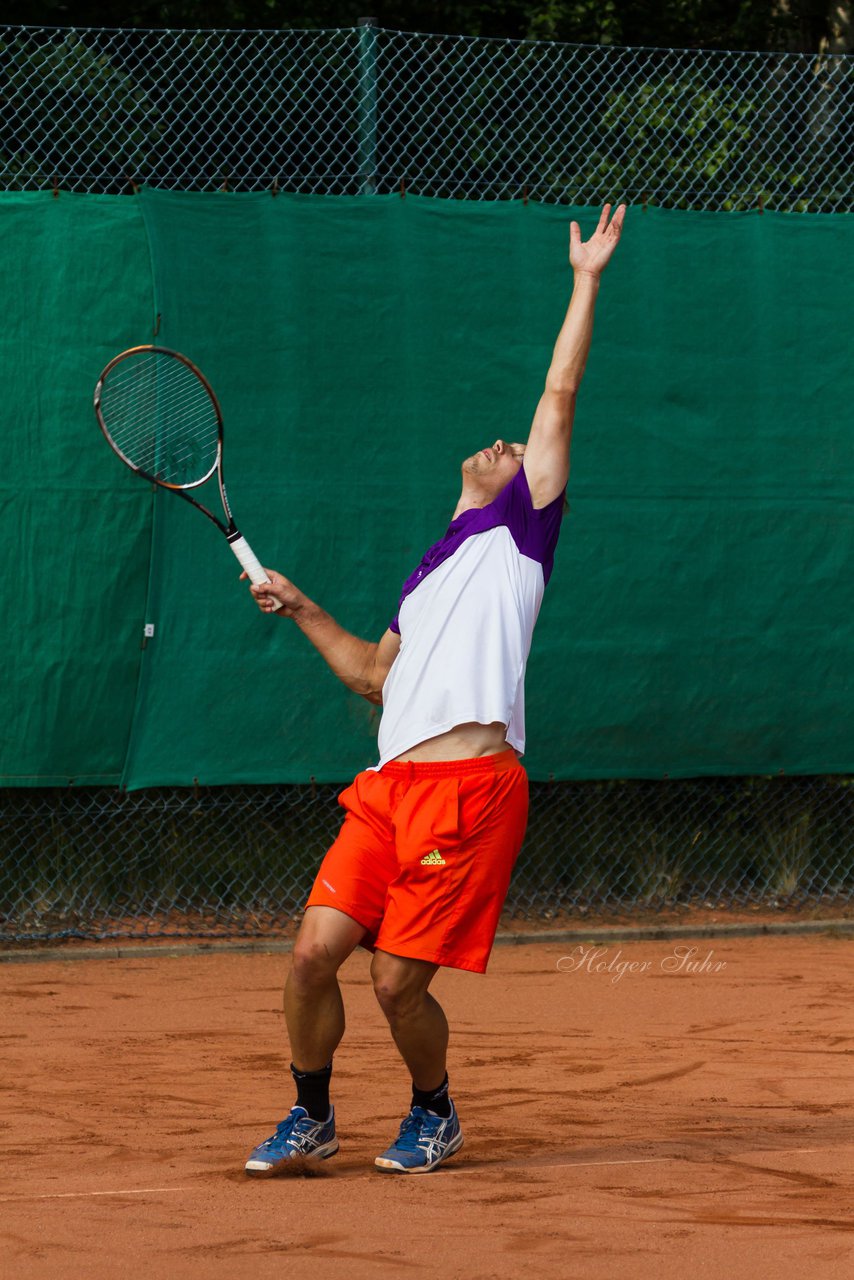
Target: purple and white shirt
465,619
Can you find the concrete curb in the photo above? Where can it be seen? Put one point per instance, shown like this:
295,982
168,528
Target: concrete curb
624,933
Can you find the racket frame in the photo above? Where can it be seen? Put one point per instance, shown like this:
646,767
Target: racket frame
233,536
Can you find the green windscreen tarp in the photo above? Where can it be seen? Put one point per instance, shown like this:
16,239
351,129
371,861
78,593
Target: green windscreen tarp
700,618
75,279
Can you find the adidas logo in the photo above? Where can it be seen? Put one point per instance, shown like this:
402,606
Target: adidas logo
433,859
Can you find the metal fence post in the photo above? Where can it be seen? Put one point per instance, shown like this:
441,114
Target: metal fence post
368,104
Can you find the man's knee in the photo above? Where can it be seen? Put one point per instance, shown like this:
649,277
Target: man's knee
400,984
325,940
312,963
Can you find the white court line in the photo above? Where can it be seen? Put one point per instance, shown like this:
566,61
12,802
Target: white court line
586,1164
582,1164
794,1151
787,1151
76,1195
574,1164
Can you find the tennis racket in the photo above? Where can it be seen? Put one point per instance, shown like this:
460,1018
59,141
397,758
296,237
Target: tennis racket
158,412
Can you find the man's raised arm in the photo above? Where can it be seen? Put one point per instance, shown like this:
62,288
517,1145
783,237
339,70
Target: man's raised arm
547,451
360,664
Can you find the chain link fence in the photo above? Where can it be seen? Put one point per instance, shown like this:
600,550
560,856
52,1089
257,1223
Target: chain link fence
239,861
369,110
366,111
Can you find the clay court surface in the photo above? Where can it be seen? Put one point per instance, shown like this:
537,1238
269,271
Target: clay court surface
655,1124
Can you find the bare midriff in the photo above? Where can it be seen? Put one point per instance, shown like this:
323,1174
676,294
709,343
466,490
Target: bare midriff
464,742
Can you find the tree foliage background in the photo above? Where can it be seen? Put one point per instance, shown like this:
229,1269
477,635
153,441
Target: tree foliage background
794,25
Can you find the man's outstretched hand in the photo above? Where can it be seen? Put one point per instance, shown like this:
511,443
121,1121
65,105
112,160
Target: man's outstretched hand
592,256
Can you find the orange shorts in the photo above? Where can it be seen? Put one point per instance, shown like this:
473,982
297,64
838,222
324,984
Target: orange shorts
425,854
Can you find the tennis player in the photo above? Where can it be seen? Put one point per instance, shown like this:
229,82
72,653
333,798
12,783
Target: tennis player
421,867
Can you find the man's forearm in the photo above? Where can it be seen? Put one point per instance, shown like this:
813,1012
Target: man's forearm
573,342
351,659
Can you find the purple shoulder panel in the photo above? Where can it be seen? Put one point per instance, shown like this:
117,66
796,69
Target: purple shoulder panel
535,532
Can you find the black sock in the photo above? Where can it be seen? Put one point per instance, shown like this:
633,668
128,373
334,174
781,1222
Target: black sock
435,1100
313,1091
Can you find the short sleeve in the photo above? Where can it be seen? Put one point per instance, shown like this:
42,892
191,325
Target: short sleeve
535,530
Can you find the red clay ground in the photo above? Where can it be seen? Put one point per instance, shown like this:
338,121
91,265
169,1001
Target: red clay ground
655,1125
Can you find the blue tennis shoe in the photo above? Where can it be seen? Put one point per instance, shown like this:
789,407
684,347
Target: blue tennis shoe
424,1142
296,1135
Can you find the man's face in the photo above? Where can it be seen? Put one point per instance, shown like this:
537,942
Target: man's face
495,466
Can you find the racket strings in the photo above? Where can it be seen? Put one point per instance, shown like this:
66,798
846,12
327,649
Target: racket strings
160,416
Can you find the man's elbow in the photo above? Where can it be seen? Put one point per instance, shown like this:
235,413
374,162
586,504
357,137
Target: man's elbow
562,390
374,686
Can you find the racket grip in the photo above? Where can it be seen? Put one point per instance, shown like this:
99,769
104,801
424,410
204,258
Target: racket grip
247,558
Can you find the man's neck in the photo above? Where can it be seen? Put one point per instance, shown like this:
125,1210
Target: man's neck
472,498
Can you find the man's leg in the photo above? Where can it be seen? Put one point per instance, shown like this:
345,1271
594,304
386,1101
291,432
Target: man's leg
314,1010
431,1132
418,1024
314,1013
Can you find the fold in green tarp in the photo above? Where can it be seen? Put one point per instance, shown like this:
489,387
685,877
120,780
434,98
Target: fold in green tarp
75,279
700,618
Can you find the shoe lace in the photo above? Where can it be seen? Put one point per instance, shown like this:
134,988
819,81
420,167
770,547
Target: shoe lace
284,1130
412,1130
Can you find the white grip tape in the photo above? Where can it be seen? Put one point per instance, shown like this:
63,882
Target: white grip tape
249,560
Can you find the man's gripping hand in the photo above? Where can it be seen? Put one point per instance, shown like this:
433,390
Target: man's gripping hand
278,595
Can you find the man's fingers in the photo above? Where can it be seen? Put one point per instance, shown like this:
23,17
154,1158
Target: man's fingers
263,593
574,235
603,219
617,220
269,603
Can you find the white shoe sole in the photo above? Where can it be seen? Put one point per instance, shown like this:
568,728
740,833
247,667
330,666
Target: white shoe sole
391,1166
260,1169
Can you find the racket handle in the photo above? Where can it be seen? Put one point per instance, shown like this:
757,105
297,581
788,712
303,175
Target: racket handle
247,558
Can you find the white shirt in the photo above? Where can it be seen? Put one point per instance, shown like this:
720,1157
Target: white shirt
465,621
